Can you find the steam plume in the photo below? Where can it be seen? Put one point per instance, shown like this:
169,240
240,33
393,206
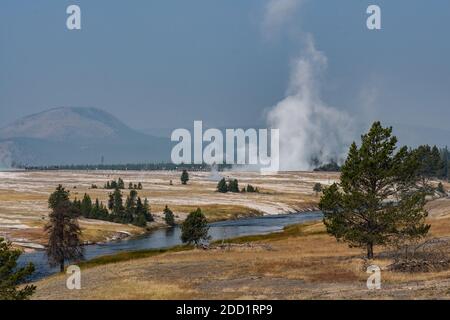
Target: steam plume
309,128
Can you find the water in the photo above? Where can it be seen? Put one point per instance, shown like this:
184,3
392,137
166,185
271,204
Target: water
164,238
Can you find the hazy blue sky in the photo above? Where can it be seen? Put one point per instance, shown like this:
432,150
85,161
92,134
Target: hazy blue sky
167,63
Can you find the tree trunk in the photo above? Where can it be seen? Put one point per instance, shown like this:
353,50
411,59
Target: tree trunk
61,266
370,251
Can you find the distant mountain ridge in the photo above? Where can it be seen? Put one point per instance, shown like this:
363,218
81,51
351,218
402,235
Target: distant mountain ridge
60,124
74,135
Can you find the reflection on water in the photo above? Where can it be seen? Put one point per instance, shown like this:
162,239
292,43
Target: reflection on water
164,238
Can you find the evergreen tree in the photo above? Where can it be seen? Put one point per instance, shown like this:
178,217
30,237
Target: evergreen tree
233,186
430,164
86,206
95,212
139,186
120,184
140,221
114,185
130,186
103,213
317,188
377,201
147,212
130,203
111,201
444,172
222,186
169,217
63,230
195,228
184,177
11,276
116,203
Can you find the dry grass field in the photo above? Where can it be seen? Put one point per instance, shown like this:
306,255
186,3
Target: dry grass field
303,262
24,212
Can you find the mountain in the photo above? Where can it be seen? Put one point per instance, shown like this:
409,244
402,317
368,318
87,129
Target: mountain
77,136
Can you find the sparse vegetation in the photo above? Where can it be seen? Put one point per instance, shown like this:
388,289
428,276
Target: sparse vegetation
120,184
231,186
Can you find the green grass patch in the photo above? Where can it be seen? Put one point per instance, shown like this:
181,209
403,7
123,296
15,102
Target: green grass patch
131,255
296,230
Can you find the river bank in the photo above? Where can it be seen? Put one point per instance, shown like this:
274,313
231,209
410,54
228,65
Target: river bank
24,209
166,238
299,262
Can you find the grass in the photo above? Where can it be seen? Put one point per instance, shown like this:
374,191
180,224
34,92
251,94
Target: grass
289,231
130,255
295,230
214,212
301,262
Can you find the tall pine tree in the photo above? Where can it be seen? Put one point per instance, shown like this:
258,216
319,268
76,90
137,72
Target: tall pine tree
377,201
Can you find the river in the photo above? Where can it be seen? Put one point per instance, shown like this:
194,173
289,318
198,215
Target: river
164,238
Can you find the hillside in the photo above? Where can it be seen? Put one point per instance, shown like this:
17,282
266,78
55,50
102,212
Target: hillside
71,135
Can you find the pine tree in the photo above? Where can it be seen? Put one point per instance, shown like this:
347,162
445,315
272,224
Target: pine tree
169,217
86,206
95,212
147,212
317,188
130,186
63,230
233,186
120,184
11,276
117,202
195,228
184,177
377,201
222,186
139,186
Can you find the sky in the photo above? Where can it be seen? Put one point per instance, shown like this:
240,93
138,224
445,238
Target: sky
164,64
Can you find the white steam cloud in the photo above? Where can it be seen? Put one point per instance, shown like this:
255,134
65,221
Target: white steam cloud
310,130
277,13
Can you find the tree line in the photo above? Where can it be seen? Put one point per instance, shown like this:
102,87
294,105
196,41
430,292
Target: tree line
232,185
124,167
120,184
134,211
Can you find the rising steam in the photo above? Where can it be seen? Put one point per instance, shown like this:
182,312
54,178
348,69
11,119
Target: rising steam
310,130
